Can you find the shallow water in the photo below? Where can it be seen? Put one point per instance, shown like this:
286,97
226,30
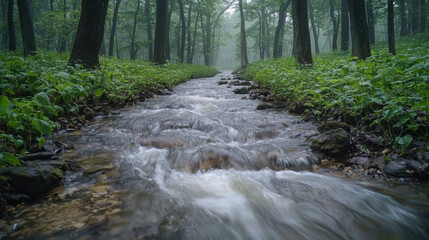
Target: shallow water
202,163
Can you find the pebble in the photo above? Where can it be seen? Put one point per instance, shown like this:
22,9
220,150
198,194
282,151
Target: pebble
325,163
386,151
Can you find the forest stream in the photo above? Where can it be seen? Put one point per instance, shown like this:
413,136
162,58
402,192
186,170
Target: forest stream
202,163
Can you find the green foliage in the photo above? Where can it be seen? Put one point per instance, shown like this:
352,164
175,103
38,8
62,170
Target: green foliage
38,91
388,93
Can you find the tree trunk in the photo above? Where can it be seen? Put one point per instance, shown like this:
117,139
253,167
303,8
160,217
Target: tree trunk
102,48
263,31
149,29
27,28
63,37
371,21
404,30
188,50
390,27
334,24
205,50
133,49
345,28
113,30
280,25
243,43
195,37
415,16
260,39
86,46
160,29
422,15
167,34
183,32
313,28
359,27
4,37
11,26
301,33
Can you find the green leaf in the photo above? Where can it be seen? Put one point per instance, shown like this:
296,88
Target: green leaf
42,99
9,158
44,127
404,141
41,141
98,92
64,75
4,102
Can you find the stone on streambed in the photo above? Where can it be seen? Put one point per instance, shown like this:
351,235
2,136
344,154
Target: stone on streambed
406,168
334,143
33,180
222,82
264,106
331,125
243,90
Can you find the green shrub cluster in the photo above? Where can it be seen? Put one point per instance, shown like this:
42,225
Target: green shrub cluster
36,92
388,93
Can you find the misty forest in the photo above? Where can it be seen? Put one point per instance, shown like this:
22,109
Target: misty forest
214,119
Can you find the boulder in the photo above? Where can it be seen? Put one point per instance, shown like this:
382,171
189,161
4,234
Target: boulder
264,106
245,83
33,181
331,125
234,83
406,168
222,82
243,90
334,143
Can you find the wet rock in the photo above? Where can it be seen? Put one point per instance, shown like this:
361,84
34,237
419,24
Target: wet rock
3,235
162,142
88,113
360,161
243,90
15,198
97,219
372,143
325,163
57,162
37,156
33,180
333,143
222,82
425,156
53,146
406,168
101,189
245,83
234,83
264,106
331,125
99,168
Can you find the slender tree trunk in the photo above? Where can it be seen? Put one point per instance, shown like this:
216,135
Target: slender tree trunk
280,24
149,29
205,50
160,29
118,55
102,48
27,28
423,15
183,32
133,48
267,37
415,16
359,27
345,28
404,30
390,27
86,46
371,21
188,50
4,37
11,26
195,37
243,42
113,30
313,28
167,34
301,33
63,37
334,24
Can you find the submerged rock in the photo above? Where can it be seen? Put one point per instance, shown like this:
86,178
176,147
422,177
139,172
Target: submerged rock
264,106
334,143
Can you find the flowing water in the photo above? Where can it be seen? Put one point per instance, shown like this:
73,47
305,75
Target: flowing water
202,163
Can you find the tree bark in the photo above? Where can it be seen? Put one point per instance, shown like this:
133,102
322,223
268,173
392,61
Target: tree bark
167,33
415,16
113,30
4,37
390,27
313,28
188,49
301,33
11,26
334,24
404,30
423,14
280,25
345,27
89,35
183,32
359,27
149,29
133,49
160,29
27,28
63,37
371,21
195,37
243,42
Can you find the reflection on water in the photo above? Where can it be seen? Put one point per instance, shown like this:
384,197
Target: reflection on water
204,164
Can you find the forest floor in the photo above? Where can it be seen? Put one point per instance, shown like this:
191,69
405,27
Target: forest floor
385,100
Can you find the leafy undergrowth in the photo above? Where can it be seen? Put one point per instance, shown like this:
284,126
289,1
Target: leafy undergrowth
387,94
37,93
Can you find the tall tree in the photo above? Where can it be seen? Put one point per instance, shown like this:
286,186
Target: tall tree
301,33
147,13
183,31
27,28
359,27
4,36
89,35
63,37
133,47
334,24
243,41
113,30
167,31
278,37
404,30
160,29
345,27
11,26
423,15
390,27
371,21
188,30
415,16
313,27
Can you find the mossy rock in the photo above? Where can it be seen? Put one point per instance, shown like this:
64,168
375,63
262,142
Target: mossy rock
331,125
